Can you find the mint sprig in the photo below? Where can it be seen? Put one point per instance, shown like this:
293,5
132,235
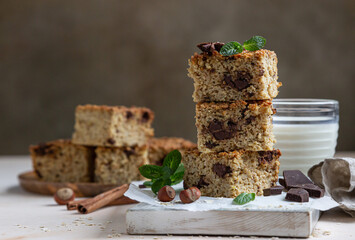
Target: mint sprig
231,48
170,173
253,44
244,198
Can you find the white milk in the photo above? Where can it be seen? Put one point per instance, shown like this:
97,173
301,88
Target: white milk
303,145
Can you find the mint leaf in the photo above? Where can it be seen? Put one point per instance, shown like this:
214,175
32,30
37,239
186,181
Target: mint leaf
254,43
157,185
148,183
178,175
151,171
244,198
172,160
166,172
231,48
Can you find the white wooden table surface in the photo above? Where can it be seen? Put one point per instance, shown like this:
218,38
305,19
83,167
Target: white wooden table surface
29,216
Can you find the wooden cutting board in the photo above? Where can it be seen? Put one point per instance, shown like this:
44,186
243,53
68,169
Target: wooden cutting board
149,219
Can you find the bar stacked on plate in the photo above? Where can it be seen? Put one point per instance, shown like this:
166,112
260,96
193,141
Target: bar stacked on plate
233,96
108,146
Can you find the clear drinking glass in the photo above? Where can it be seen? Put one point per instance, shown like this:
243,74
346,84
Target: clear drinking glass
306,131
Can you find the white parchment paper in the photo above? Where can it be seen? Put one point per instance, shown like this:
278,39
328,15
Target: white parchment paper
145,195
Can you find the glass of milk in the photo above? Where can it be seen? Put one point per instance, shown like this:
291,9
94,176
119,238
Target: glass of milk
306,131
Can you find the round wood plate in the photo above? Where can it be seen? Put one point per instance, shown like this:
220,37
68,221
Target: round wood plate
30,182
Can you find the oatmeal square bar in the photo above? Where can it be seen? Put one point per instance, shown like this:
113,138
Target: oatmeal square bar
112,126
250,75
119,165
160,147
227,174
62,161
236,125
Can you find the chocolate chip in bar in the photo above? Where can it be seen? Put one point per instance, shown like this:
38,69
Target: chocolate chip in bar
312,189
221,170
295,177
297,195
276,190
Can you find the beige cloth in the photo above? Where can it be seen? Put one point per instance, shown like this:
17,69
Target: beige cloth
337,176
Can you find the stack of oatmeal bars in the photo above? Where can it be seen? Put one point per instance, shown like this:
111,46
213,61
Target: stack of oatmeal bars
108,146
233,96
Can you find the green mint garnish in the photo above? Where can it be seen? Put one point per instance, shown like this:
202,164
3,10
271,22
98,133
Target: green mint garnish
244,198
231,48
254,43
171,173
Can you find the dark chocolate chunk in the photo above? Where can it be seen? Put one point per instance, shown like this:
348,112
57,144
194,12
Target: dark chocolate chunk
276,190
142,186
111,141
265,156
145,117
201,183
209,47
210,144
129,151
221,170
38,174
220,131
240,81
42,149
297,195
249,120
312,189
295,177
282,182
129,114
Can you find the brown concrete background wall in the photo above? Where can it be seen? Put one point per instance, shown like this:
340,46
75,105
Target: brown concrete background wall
55,55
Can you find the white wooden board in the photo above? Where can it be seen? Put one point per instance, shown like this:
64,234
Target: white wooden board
148,219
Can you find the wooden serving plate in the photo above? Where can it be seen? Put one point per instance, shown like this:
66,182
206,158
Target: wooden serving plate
30,182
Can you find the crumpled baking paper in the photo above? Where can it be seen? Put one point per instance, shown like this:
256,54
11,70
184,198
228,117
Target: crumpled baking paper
276,202
337,176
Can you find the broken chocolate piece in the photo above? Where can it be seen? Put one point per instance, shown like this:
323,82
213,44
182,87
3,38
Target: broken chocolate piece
209,47
312,189
221,170
201,183
295,177
145,117
276,190
282,182
297,195
142,186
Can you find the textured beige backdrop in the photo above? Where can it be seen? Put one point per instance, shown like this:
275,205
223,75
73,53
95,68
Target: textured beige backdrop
55,55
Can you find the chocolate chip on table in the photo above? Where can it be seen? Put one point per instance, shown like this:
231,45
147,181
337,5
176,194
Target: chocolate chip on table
240,81
312,189
111,141
282,182
145,117
297,195
142,186
221,170
276,190
295,177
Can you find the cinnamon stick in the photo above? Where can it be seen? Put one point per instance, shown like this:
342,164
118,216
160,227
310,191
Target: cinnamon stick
102,199
73,205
